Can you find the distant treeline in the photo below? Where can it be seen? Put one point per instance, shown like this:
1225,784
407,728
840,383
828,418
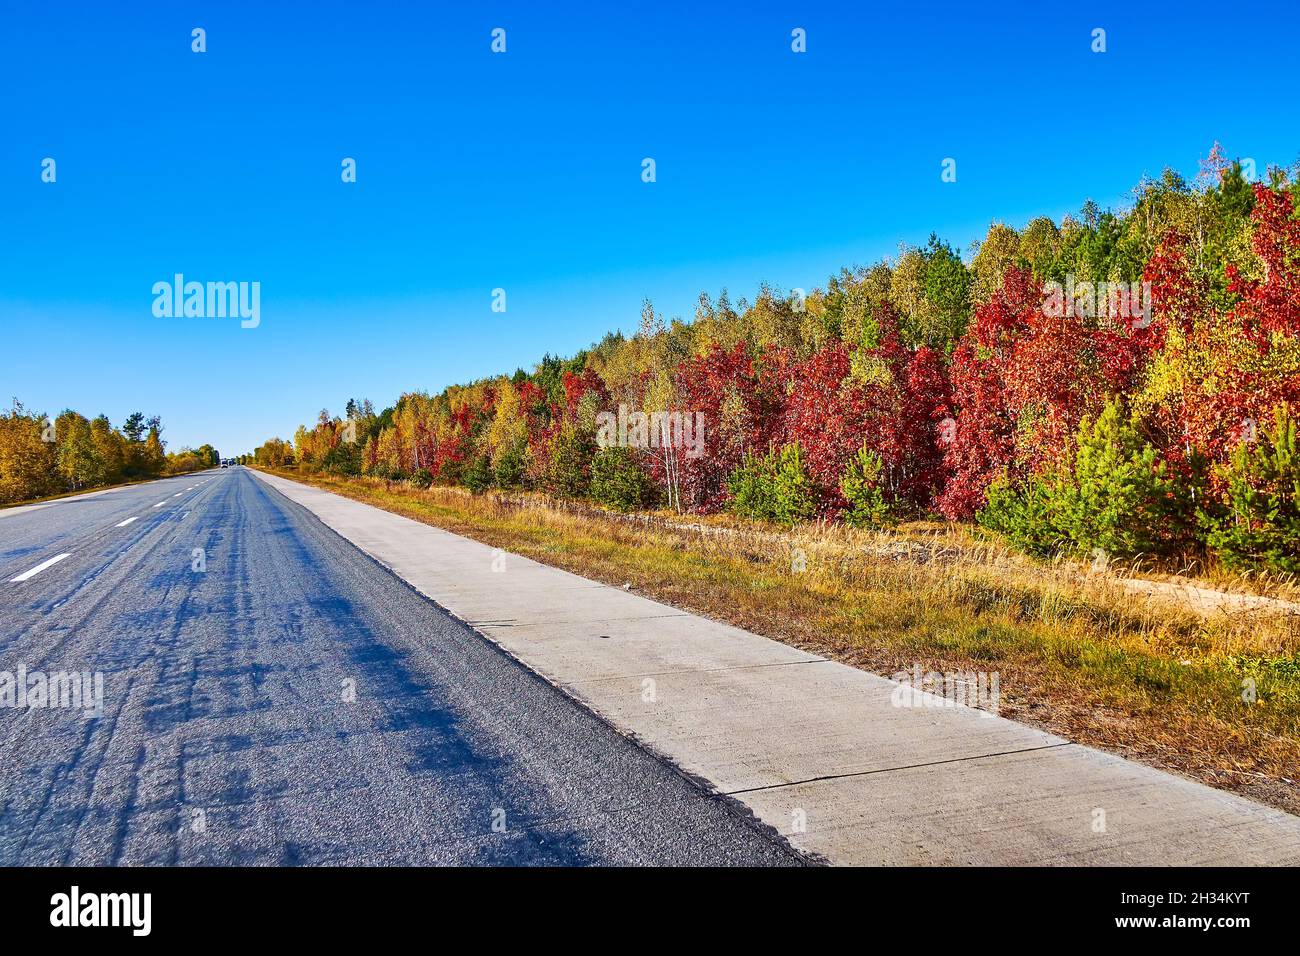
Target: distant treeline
1120,381
41,456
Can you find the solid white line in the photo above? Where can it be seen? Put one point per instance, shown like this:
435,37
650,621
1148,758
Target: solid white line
39,568
123,524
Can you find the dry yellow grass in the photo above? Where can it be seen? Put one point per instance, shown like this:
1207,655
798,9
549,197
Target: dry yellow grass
1077,652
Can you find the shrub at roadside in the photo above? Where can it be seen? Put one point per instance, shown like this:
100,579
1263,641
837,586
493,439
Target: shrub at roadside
860,486
618,481
343,459
1110,492
1259,527
509,469
772,488
478,476
568,473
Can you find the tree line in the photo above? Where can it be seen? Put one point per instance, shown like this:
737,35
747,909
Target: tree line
42,456
1123,381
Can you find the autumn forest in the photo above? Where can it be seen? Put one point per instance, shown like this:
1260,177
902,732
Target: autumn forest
1120,382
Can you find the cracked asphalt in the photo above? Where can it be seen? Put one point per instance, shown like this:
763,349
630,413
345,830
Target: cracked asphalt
281,699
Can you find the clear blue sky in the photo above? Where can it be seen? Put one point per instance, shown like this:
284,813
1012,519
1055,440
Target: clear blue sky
523,171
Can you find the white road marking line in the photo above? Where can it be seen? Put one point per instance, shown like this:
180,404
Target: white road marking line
123,524
160,504
39,568
178,494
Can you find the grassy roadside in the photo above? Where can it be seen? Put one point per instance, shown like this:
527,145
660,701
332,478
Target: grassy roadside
1076,653
89,491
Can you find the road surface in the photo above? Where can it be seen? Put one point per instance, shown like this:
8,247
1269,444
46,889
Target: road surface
277,697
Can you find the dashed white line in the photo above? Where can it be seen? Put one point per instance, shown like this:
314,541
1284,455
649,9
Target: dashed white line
178,494
123,524
39,568
160,504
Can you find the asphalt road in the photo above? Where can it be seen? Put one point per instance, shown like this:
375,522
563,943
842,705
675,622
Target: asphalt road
282,699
